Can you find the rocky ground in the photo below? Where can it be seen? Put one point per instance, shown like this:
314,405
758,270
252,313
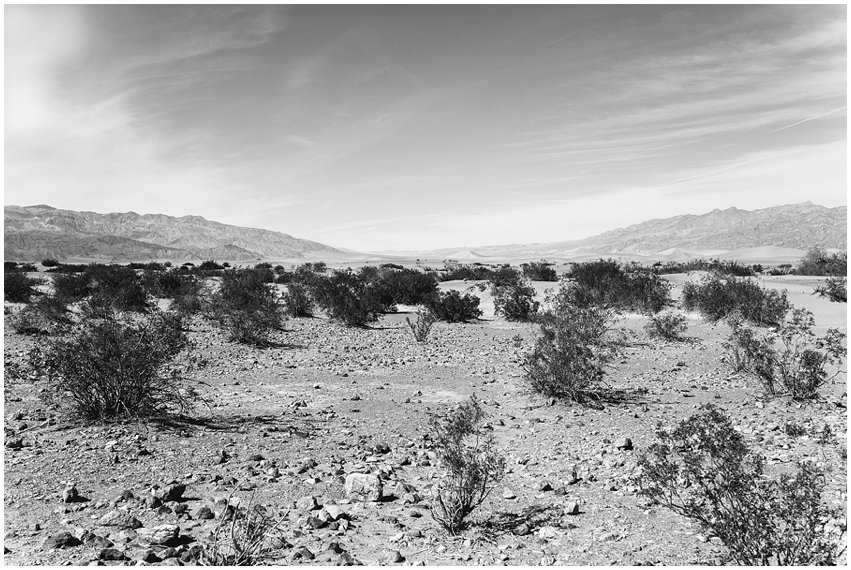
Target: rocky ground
315,427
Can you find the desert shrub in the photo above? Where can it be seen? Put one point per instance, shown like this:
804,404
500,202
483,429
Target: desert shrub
246,307
452,270
669,326
47,315
114,368
422,326
716,297
116,287
473,465
297,301
513,295
793,429
791,357
727,267
18,288
72,287
703,471
539,271
408,286
10,266
623,287
265,272
68,268
210,265
819,262
49,262
246,536
571,353
349,297
452,307
835,289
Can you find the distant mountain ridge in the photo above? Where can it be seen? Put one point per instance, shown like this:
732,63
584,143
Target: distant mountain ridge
38,232
776,231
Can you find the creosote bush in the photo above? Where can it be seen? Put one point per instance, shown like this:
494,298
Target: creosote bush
624,287
703,471
18,288
835,289
247,535
422,325
246,307
818,262
571,353
47,315
513,295
116,368
473,465
453,307
716,297
297,300
352,298
790,358
115,287
670,326
539,271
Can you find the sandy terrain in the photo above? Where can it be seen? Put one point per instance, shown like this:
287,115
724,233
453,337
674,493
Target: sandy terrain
291,422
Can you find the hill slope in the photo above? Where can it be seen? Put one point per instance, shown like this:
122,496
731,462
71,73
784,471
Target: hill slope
779,232
37,232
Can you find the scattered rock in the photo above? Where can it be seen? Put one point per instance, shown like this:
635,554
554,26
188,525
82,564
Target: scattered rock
306,504
70,494
508,494
624,443
572,508
111,554
162,534
120,519
361,487
62,540
392,557
204,513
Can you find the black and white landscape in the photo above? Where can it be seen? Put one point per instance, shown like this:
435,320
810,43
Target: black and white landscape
425,285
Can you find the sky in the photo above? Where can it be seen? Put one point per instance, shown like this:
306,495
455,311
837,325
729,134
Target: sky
380,128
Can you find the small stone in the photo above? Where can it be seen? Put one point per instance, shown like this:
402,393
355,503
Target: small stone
548,532
522,529
572,508
14,442
204,513
173,492
393,557
624,443
508,494
70,494
162,534
361,487
306,504
120,519
62,540
545,486
302,553
111,554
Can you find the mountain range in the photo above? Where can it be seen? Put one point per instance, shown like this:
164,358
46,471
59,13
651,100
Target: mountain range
32,233
778,232
38,232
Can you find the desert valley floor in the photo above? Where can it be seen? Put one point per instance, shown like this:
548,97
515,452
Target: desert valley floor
292,421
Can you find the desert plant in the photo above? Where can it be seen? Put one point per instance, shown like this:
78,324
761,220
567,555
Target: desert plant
818,262
422,326
47,315
350,297
72,287
473,465
408,286
245,536
452,307
571,353
18,288
115,287
246,307
835,289
790,357
515,301
115,368
669,326
539,271
703,471
619,286
716,297
297,300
